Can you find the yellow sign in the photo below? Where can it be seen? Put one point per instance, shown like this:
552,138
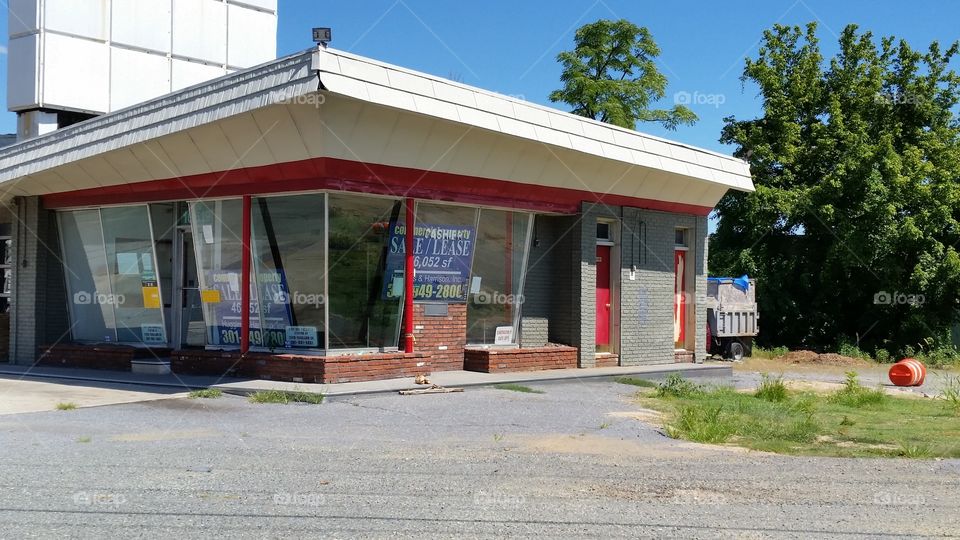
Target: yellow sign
210,296
151,297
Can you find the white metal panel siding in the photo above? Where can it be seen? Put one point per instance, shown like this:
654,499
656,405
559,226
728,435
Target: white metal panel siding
268,5
252,37
22,88
186,73
142,23
200,30
23,16
87,18
136,77
76,73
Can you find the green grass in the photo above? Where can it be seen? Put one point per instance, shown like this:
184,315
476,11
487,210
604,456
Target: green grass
856,396
84,439
677,386
771,389
775,352
633,381
66,406
279,396
851,422
517,388
951,392
206,393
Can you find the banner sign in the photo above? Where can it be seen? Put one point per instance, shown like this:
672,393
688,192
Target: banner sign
442,258
224,287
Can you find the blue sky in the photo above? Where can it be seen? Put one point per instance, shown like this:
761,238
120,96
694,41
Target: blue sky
511,46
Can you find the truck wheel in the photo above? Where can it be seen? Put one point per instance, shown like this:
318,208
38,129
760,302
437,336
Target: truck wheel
735,351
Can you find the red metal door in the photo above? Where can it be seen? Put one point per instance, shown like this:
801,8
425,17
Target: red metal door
679,298
603,296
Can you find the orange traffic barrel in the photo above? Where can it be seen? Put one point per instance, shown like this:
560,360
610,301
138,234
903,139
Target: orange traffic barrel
907,372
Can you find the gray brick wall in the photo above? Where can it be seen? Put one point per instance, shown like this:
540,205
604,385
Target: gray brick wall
534,331
561,283
38,307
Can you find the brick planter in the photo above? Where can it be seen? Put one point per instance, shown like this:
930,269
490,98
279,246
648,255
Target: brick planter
112,357
301,368
533,359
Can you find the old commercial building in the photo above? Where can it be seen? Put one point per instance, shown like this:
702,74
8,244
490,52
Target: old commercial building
327,217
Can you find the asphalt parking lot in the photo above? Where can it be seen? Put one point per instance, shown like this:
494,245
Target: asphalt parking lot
579,459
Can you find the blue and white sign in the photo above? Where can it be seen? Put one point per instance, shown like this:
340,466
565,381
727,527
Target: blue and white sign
442,259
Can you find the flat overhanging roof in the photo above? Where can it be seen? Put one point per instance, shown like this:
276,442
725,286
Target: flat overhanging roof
324,104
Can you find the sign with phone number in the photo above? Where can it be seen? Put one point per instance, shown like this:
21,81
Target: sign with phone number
442,259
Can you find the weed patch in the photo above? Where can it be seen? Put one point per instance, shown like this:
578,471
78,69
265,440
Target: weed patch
206,393
66,406
517,388
678,387
852,422
855,395
281,397
771,389
633,381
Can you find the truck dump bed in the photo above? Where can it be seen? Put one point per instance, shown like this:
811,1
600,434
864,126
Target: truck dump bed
732,307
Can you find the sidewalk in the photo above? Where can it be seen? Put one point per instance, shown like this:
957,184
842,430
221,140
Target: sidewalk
444,378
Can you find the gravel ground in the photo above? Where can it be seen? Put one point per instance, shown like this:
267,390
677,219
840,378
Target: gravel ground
575,460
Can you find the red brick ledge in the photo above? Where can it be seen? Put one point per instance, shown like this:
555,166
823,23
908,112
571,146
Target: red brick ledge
531,359
301,368
105,356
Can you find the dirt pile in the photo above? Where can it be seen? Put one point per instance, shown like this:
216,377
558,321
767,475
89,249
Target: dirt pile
825,359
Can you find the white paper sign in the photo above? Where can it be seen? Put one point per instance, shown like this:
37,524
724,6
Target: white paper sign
475,285
153,334
301,336
504,335
208,233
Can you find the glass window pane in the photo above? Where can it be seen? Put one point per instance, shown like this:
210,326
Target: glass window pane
132,267
363,313
217,228
498,267
88,283
162,217
288,244
445,242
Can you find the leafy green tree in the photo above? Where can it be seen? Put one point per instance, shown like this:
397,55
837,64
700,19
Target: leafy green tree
611,76
856,162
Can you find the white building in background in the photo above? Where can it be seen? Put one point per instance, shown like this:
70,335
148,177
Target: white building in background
73,59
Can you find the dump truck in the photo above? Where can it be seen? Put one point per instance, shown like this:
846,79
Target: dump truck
732,316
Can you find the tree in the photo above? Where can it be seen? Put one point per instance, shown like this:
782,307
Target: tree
611,76
854,226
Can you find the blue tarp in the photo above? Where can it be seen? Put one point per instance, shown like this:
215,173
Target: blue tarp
742,282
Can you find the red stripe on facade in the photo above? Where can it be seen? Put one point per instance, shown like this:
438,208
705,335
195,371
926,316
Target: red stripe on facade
344,175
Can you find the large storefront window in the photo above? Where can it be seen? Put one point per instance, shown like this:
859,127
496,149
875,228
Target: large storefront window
111,275
217,228
365,310
497,280
445,242
288,259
